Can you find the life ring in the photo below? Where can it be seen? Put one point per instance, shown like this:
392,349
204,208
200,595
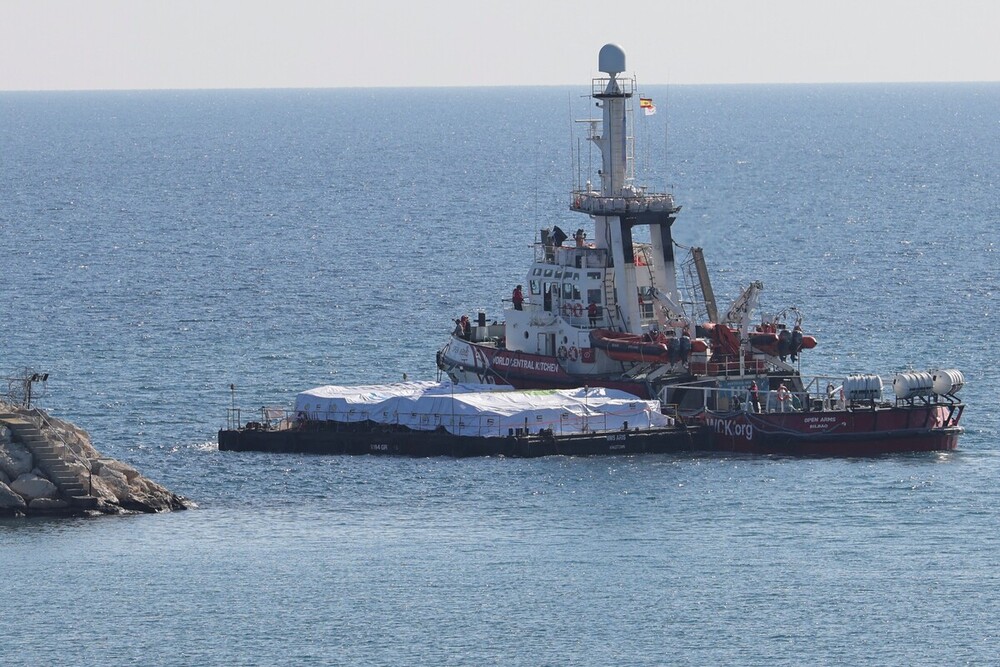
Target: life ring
562,352
577,309
574,354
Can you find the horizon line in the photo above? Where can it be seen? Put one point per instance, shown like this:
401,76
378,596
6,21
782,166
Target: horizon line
488,86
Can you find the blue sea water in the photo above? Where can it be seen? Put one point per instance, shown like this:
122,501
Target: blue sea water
160,246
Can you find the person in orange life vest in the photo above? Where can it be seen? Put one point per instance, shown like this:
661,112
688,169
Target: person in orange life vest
517,298
592,314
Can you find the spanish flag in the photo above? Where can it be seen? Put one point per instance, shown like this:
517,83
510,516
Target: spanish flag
646,104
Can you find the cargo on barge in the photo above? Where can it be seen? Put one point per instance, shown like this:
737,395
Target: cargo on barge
460,420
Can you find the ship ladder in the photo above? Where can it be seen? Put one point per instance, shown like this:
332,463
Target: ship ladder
609,298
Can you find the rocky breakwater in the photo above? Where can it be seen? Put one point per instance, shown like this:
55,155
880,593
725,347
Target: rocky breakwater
49,467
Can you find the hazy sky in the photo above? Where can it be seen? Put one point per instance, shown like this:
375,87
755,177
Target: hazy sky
128,44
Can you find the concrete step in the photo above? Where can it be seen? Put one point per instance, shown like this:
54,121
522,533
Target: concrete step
61,466
65,479
59,463
43,445
63,473
22,425
49,460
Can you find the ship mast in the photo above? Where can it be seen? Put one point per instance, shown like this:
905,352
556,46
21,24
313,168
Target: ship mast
620,205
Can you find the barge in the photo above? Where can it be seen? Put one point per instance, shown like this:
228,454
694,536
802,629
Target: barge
443,419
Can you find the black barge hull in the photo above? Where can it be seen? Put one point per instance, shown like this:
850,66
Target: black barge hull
438,443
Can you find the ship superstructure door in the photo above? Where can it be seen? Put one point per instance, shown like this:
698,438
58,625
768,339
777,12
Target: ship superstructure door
546,344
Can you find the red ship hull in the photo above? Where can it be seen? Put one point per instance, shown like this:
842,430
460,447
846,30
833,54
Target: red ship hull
847,432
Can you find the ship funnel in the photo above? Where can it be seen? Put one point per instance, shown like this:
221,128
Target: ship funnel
611,59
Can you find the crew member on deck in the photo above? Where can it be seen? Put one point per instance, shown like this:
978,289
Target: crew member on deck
592,314
517,298
754,396
685,347
796,345
784,398
784,342
466,327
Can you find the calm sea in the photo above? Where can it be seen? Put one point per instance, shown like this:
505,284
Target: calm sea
157,247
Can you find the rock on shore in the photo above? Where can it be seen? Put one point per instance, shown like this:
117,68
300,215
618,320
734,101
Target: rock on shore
49,466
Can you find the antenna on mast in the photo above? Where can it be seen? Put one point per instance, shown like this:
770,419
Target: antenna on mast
611,60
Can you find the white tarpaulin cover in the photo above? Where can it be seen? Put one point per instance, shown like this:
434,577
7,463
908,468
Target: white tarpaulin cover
480,410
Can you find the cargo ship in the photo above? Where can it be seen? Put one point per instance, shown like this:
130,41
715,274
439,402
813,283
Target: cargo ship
603,307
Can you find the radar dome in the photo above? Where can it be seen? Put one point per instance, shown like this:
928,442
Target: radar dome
611,59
